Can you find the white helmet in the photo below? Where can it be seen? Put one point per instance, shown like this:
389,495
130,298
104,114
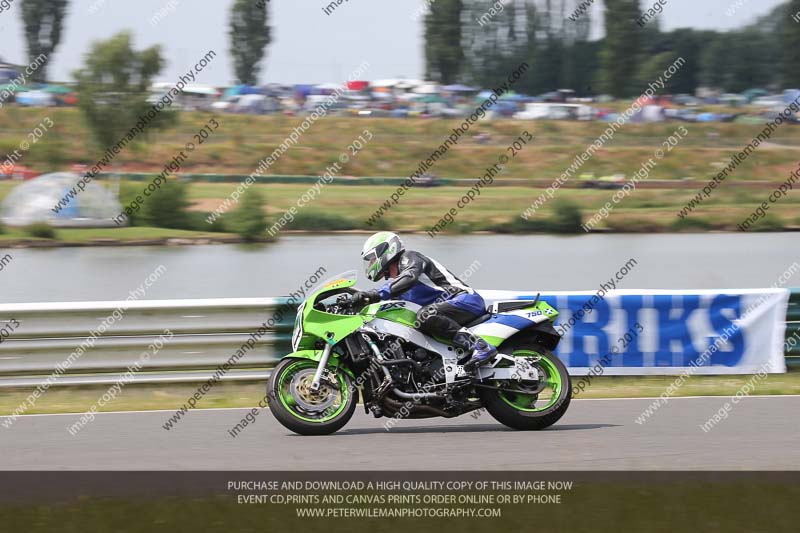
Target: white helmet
380,250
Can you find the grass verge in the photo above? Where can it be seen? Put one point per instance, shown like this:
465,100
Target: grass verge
240,394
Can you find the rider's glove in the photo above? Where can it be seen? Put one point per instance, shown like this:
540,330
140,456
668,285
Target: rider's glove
366,297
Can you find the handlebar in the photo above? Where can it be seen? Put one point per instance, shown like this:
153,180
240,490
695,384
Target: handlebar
344,305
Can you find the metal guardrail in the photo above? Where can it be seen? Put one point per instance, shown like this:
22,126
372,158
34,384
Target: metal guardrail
793,327
205,334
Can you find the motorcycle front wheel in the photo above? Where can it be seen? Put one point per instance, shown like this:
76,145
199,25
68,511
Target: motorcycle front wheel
526,405
303,410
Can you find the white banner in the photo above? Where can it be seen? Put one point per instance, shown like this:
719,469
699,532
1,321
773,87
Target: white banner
638,332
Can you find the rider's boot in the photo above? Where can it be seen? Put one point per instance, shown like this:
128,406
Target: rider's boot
465,340
484,352
481,350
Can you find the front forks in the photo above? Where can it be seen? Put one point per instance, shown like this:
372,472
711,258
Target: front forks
323,362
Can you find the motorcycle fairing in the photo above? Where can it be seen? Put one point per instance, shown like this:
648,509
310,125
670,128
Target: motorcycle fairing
502,326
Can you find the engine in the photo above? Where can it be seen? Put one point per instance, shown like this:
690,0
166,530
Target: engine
412,368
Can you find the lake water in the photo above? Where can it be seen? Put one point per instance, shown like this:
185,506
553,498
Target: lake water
529,263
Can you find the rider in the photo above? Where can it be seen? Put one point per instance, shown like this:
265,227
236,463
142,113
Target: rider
447,302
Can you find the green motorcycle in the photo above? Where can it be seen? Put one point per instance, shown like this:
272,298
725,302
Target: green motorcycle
341,350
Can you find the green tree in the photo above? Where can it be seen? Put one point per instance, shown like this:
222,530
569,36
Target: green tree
739,60
114,87
248,219
444,52
43,21
621,50
490,48
790,64
686,43
713,62
653,67
581,55
250,34
557,50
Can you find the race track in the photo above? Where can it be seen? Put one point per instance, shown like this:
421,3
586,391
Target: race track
760,433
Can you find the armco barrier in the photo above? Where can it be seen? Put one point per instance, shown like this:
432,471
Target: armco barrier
206,333
308,180
793,328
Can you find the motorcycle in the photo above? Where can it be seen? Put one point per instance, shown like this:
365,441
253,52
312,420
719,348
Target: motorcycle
342,348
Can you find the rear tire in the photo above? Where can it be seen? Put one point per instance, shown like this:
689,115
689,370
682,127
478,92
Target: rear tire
512,413
302,411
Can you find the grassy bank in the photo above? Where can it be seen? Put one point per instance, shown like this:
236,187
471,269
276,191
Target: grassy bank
173,396
79,236
397,146
347,207
420,209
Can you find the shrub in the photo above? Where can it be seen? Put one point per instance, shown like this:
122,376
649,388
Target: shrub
690,223
321,221
52,152
127,194
198,221
41,230
566,218
382,224
768,223
248,220
633,224
167,206
518,225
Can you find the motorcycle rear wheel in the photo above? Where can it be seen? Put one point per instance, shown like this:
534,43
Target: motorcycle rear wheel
523,408
305,411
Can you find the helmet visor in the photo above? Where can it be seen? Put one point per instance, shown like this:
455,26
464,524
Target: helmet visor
372,264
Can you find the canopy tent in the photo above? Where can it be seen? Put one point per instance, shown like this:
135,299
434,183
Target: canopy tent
430,99
276,89
511,96
303,89
790,95
32,201
36,98
390,82
732,99
57,89
706,117
11,88
238,90
357,85
428,88
326,88
205,90
752,94
457,88
408,84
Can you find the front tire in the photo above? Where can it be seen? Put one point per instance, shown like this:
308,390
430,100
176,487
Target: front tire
523,409
304,411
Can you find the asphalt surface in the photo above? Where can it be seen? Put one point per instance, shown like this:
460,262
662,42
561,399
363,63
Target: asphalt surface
759,433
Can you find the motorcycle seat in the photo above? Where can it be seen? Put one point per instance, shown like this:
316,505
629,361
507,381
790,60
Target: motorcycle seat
480,320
